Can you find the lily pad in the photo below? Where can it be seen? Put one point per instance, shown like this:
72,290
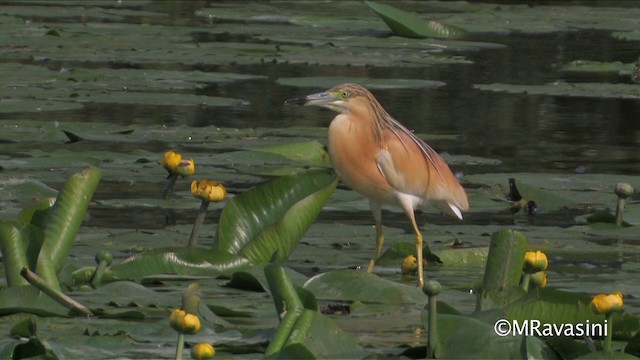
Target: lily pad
599,90
616,67
380,84
350,285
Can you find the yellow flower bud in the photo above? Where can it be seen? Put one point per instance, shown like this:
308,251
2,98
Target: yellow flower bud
535,261
409,265
184,323
186,168
208,190
604,304
203,351
191,324
171,160
176,318
539,279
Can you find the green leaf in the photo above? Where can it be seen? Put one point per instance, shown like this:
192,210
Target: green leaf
183,261
633,346
12,244
372,84
25,328
504,268
460,337
304,333
267,221
350,285
64,220
311,152
407,25
28,299
253,278
607,355
551,306
546,200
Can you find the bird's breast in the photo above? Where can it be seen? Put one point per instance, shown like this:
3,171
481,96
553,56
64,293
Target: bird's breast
353,149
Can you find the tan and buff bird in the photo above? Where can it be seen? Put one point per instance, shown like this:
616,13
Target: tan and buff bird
378,157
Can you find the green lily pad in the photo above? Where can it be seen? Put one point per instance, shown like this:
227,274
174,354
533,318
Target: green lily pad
350,285
327,82
599,90
616,67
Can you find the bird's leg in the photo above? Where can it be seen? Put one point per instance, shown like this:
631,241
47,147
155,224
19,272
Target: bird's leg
419,252
376,210
408,209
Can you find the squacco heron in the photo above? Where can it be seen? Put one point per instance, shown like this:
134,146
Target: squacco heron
378,157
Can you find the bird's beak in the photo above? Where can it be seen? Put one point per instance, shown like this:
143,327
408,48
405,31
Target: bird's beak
319,99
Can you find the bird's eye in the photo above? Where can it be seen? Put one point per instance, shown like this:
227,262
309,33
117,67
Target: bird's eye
344,94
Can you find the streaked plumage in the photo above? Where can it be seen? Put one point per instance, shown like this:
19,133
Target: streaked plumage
375,155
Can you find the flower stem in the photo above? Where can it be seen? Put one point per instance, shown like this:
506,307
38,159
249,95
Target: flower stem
168,190
96,279
180,347
607,339
525,281
53,293
619,211
431,336
197,225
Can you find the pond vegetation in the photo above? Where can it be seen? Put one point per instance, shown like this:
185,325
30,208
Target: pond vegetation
94,94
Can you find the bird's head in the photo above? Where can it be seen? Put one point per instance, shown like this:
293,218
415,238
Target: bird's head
339,98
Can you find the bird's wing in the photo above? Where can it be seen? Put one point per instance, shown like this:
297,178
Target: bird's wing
432,182
431,155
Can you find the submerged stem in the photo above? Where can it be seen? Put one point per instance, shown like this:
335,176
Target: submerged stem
168,190
197,225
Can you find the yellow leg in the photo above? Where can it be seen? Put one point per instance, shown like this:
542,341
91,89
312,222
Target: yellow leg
419,252
376,209
408,208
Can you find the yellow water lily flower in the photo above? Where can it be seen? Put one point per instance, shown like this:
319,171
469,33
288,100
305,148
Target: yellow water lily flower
170,160
184,323
203,351
208,190
535,261
409,265
606,303
186,168
539,279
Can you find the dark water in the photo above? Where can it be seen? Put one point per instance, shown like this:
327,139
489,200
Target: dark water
527,133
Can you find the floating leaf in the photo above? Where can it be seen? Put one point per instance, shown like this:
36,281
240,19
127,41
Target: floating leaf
375,84
178,261
597,90
28,299
350,285
311,152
